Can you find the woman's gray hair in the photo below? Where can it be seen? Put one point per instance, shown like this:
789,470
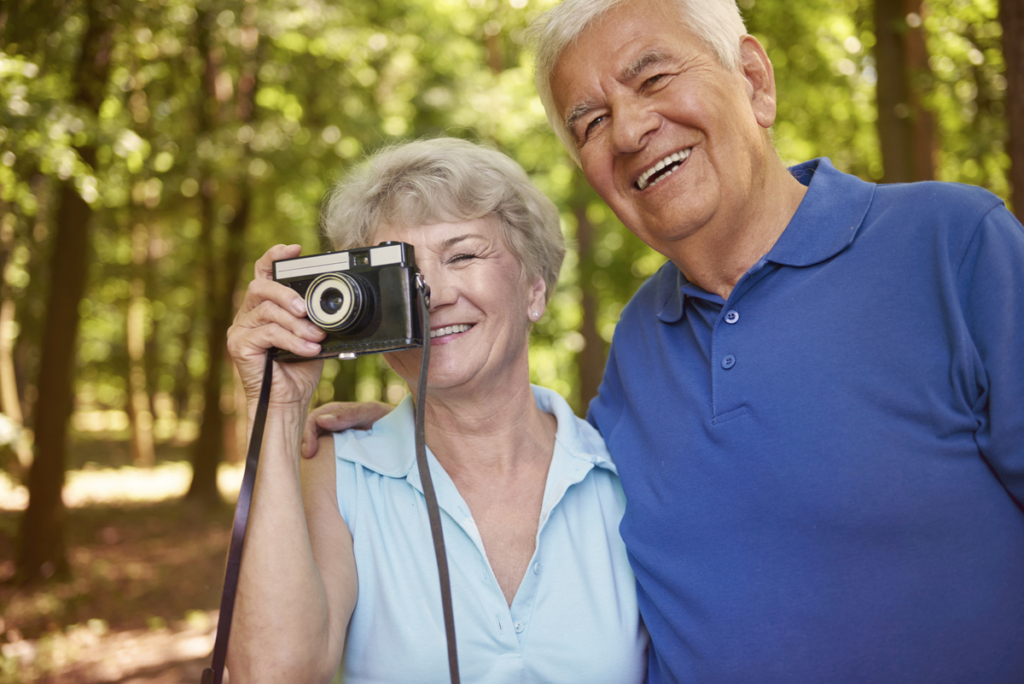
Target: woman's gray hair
446,180
716,22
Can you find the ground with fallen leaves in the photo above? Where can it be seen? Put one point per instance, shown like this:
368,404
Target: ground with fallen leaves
147,568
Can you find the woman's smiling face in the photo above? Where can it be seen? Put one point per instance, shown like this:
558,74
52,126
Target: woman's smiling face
480,305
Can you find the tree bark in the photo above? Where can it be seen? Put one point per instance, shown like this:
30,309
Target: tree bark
10,404
1011,15
140,415
208,449
41,548
589,360
906,129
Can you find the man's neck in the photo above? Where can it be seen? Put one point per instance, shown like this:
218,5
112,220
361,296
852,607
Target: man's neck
715,260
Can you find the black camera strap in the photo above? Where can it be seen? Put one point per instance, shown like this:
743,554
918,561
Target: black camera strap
433,512
215,673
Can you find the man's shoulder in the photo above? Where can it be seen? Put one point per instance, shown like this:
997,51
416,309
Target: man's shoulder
938,213
936,198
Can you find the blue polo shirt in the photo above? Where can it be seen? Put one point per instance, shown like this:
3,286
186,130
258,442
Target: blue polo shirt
824,474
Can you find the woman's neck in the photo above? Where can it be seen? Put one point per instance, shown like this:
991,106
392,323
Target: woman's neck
491,435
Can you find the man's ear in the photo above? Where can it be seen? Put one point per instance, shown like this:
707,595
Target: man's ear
760,77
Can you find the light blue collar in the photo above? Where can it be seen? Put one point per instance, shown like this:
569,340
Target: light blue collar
393,452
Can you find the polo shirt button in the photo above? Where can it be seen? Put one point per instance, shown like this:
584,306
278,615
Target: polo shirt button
732,316
519,626
728,362
536,568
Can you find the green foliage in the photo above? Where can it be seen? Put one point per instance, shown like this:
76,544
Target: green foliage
334,81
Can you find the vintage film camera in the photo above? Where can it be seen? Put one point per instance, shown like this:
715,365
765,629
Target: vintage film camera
367,300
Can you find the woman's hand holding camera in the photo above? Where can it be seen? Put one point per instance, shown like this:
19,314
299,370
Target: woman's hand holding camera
274,315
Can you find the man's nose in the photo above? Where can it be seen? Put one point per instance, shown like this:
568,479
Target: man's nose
632,123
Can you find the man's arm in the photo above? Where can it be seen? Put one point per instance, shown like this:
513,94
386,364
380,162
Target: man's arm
338,416
991,283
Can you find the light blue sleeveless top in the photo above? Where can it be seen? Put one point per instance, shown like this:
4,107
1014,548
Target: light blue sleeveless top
574,617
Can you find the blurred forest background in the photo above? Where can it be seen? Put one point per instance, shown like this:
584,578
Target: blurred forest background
151,150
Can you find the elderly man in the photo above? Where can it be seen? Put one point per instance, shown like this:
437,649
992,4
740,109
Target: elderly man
817,405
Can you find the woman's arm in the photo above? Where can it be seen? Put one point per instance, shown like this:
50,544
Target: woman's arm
287,627
297,586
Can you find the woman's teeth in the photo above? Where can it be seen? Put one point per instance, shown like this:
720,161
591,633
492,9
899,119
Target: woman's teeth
675,158
450,330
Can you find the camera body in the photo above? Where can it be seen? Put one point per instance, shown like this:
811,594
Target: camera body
365,299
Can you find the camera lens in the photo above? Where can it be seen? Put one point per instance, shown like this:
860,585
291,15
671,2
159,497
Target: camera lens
337,302
331,300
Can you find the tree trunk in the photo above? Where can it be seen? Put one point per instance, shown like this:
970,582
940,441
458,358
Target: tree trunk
41,549
906,130
1011,14
141,417
589,360
42,530
10,404
207,451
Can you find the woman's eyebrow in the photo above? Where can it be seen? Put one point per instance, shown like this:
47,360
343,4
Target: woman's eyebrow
452,241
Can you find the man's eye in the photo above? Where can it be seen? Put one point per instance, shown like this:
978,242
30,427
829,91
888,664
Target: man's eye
594,123
653,80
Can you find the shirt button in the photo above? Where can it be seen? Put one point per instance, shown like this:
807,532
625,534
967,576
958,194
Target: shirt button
536,568
728,362
732,316
519,626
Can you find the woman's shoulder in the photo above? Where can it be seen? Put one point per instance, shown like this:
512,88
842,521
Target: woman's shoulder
387,448
577,436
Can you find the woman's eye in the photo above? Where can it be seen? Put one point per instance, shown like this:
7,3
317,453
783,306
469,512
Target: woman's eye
461,257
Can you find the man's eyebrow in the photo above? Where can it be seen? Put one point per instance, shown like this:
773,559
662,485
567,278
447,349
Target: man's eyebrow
576,113
637,66
632,70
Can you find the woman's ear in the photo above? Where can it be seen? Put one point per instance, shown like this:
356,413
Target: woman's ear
537,302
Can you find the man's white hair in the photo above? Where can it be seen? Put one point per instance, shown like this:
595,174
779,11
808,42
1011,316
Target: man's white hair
716,22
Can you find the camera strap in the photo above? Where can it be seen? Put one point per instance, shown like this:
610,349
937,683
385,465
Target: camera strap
215,673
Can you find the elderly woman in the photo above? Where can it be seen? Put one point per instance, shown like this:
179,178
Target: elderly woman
338,559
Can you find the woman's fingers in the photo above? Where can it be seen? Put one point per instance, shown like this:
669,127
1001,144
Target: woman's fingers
268,312
261,289
265,264
253,342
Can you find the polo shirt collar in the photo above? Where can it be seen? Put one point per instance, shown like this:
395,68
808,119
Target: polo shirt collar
827,219
394,454
825,223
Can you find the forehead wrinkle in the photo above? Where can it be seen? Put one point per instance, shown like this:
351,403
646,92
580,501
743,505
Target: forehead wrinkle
452,241
637,66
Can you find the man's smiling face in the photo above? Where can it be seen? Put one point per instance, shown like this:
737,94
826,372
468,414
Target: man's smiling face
670,139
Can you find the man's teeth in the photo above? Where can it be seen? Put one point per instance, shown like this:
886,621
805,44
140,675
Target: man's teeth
450,330
674,158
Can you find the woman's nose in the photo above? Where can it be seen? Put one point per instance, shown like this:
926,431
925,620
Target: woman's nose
441,290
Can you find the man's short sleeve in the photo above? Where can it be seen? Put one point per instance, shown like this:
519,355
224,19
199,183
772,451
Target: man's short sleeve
991,283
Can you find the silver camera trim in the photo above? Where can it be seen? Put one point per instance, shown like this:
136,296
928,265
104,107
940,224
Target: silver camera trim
300,267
